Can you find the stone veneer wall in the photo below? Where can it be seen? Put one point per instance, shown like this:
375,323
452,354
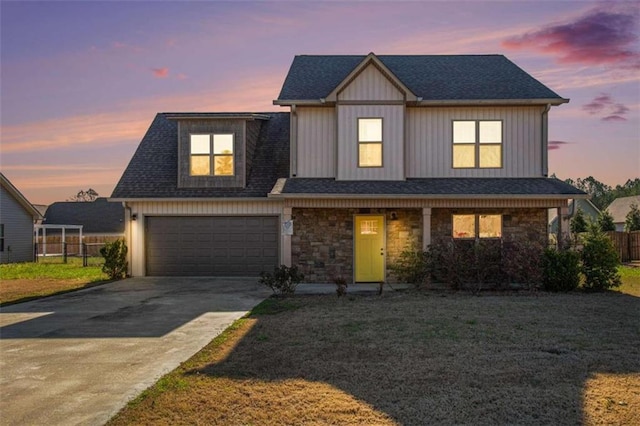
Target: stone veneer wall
518,224
322,241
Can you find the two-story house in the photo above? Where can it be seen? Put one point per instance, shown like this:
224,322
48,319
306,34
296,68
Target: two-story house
376,154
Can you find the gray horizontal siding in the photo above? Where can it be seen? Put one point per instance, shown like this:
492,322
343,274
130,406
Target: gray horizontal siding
18,230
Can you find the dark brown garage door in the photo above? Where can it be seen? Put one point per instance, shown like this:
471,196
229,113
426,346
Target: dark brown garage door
211,246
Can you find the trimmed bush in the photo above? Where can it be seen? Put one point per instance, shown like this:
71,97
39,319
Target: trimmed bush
560,270
115,259
283,281
599,261
411,266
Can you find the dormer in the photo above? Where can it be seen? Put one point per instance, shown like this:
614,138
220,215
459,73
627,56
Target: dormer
215,149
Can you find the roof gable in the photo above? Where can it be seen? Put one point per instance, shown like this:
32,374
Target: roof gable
434,78
17,195
621,206
368,64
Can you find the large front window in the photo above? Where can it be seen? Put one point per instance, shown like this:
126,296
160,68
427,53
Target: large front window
477,226
477,144
211,155
369,142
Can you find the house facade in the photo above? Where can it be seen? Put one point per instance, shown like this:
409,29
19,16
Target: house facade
17,217
376,154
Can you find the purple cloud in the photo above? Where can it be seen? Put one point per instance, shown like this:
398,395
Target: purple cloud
552,145
604,104
599,37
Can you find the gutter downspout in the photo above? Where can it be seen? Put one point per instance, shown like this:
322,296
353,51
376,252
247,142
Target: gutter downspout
545,140
293,130
127,224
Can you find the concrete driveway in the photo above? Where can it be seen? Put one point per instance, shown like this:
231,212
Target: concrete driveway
78,358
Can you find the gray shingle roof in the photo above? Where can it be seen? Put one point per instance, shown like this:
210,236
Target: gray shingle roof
432,77
435,187
153,170
99,216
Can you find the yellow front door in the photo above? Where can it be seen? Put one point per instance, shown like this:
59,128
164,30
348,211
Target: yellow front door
369,248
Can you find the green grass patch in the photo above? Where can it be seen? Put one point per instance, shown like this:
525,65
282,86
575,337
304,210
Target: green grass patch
274,305
630,280
73,269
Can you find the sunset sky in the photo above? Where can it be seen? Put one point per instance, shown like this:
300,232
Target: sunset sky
82,81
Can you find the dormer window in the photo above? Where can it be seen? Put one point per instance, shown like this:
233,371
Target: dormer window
369,142
211,155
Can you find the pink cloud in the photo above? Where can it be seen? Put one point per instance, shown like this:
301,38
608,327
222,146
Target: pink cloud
553,145
604,104
598,37
182,76
613,118
160,72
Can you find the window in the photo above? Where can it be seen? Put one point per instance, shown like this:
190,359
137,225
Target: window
480,225
477,144
369,142
1,237
211,155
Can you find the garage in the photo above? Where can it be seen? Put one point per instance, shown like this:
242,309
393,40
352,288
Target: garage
211,245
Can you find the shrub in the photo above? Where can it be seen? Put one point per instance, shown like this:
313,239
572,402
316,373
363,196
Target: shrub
599,261
522,262
605,221
445,264
115,259
484,264
632,219
341,285
411,266
578,222
283,281
560,270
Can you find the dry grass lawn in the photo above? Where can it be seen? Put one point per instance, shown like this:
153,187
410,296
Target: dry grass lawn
412,359
22,290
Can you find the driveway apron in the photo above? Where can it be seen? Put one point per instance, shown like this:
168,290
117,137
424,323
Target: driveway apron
78,358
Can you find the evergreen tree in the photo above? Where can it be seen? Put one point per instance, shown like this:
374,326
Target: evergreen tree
632,222
578,222
605,221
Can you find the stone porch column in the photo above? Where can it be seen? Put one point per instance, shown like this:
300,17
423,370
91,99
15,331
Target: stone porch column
426,227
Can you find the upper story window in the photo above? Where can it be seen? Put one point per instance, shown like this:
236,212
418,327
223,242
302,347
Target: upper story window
369,142
477,144
477,225
211,155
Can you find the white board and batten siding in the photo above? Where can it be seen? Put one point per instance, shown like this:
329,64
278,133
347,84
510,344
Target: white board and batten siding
188,208
392,142
316,152
370,85
429,141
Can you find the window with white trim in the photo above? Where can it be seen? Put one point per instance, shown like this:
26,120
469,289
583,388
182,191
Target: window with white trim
211,155
477,144
369,142
477,226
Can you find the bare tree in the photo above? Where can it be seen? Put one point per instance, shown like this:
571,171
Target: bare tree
84,196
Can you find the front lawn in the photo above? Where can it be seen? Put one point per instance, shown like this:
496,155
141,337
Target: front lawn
412,359
29,280
630,280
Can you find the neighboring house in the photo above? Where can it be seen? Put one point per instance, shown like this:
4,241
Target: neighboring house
619,209
591,213
99,218
377,154
17,217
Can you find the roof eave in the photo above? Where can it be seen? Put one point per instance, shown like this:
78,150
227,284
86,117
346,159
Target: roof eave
430,196
182,199
438,102
454,102
220,116
22,200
